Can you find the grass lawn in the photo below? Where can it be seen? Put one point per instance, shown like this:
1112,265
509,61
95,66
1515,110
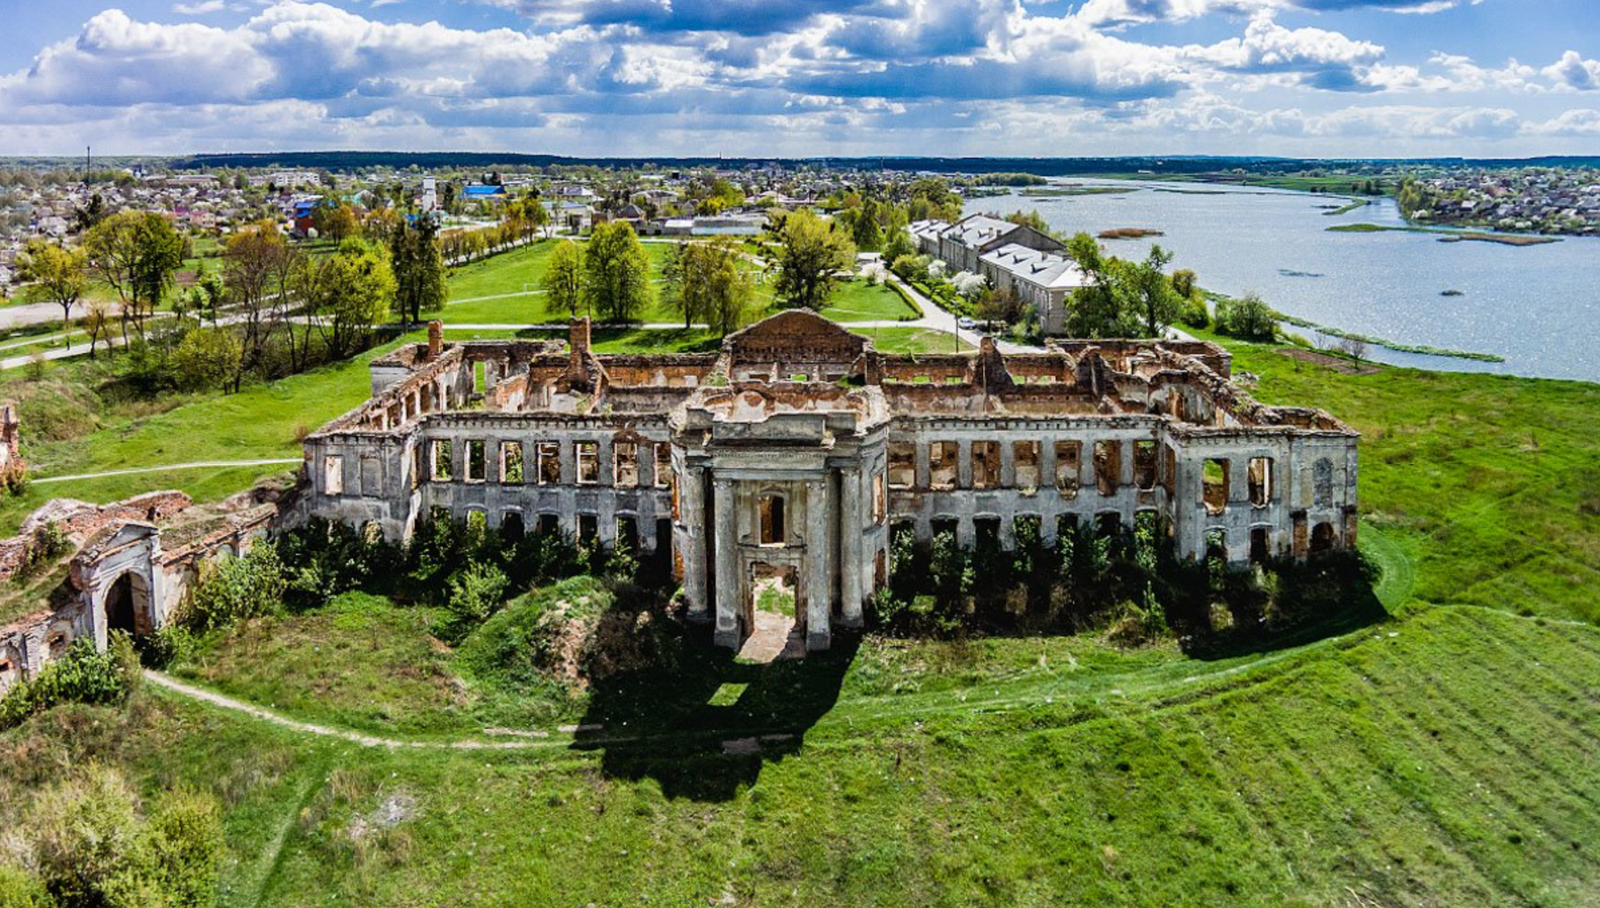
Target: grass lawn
504,289
915,340
859,301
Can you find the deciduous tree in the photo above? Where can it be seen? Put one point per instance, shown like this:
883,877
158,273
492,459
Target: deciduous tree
816,256
418,270
136,253
617,273
563,278
60,276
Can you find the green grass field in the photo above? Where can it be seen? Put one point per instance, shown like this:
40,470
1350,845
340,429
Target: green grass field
1443,755
505,290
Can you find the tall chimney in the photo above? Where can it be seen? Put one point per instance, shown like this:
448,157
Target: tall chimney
578,336
435,339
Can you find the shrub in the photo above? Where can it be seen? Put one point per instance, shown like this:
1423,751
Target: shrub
93,848
21,889
185,835
84,675
1194,312
236,588
474,593
48,544
1247,317
169,644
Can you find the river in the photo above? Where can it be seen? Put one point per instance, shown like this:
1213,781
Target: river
1537,306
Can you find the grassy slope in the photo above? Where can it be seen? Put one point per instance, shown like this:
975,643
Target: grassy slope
1401,766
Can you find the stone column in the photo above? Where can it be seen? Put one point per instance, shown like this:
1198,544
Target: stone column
852,520
729,630
691,521
818,571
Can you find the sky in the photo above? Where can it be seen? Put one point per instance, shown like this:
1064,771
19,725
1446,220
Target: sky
1301,78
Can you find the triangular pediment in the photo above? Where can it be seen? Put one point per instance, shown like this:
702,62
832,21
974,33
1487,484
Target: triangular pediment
798,324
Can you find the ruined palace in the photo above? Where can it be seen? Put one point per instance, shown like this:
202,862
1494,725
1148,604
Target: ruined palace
797,450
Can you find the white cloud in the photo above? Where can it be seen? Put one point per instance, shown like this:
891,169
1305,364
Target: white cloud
200,8
1574,72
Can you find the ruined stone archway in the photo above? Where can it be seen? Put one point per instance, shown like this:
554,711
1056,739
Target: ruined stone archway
127,605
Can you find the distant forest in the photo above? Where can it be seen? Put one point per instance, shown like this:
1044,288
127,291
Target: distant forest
1049,167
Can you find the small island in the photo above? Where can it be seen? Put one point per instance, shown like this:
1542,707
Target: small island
1129,233
1451,236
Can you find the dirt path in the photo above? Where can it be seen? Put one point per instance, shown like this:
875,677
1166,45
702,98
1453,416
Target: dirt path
195,465
167,682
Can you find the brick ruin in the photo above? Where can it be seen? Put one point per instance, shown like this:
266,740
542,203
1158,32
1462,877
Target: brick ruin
797,449
130,564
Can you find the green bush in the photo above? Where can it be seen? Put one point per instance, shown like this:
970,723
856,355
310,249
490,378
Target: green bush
93,849
476,592
1194,312
236,588
48,544
185,835
83,675
1247,317
169,644
20,888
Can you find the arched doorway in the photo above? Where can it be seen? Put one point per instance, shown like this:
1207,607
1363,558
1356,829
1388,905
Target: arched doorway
1322,539
127,606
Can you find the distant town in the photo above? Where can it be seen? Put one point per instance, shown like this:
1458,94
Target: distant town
53,200
1532,200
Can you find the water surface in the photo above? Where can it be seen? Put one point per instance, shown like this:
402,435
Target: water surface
1538,306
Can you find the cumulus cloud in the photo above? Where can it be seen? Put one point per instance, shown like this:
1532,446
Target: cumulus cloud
1574,72
1316,57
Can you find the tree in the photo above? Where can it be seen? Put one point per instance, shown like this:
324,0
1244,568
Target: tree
617,272
97,321
60,275
1000,305
1097,308
866,232
136,253
899,244
563,278
335,221
705,282
258,265
1031,219
380,225
1355,348
1185,283
814,256
1150,291
89,215
347,295
932,198
418,270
